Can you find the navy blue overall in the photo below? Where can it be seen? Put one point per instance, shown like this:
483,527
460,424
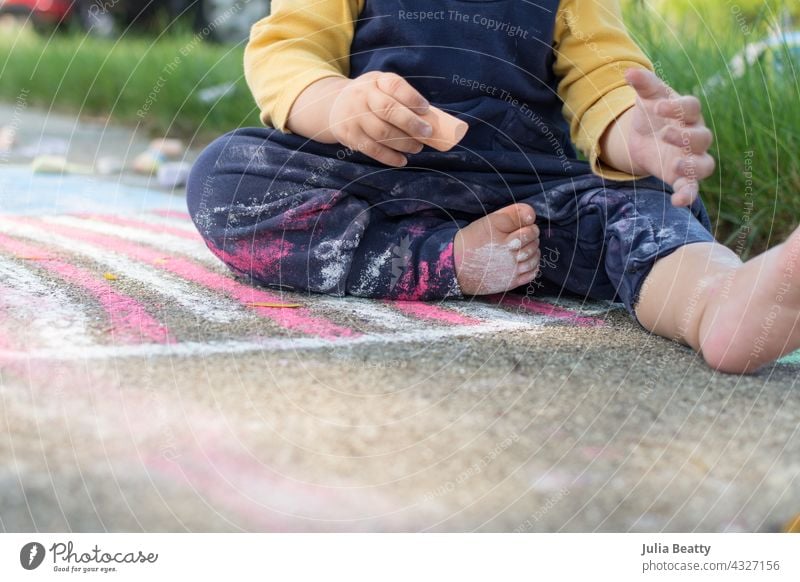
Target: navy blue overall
282,210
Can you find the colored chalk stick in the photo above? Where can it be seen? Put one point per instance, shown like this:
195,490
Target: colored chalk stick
447,130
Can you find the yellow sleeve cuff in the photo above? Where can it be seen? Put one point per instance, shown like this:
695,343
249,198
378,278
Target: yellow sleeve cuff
278,115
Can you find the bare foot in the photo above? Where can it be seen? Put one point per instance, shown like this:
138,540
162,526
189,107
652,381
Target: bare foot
498,252
753,315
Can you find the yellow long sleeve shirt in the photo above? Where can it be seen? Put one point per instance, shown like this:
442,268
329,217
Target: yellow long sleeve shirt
303,41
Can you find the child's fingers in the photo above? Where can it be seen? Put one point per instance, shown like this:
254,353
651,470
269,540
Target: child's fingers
647,84
686,109
394,112
686,191
703,166
694,139
397,87
690,170
694,166
388,135
377,151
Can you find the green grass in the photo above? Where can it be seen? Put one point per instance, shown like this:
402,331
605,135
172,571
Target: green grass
152,82
754,198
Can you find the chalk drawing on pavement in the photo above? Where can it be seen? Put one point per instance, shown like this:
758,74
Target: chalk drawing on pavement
56,268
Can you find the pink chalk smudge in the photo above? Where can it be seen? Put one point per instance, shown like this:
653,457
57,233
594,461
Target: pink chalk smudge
141,225
214,486
258,494
307,215
177,214
431,312
424,286
296,319
130,322
262,258
410,290
416,230
524,303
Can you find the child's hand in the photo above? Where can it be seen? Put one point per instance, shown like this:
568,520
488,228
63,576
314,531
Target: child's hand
667,136
377,113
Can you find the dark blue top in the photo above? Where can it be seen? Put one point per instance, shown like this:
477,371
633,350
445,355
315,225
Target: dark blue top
490,63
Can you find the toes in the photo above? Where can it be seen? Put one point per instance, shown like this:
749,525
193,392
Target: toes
513,217
528,234
514,242
525,278
525,254
528,251
523,238
528,266
527,271
530,263
527,213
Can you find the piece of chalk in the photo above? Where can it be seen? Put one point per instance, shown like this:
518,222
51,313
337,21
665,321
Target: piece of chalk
173,174
57,165
447,130
169,147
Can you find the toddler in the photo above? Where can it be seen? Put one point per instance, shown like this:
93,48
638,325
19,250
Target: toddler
340,194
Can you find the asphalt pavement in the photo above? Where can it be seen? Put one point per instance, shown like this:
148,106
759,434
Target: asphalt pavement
143,388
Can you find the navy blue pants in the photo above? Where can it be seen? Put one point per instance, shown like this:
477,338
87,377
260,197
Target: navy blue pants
281,210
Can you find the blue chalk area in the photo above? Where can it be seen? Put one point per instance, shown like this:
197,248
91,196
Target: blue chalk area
23,192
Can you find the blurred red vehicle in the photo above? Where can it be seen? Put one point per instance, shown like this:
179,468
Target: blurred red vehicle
222,20
51,11
47,13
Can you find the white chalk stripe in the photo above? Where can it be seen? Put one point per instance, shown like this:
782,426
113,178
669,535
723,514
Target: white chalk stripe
492,313
208,306
373,311
164,242
273,344
158,220
588,307
49,314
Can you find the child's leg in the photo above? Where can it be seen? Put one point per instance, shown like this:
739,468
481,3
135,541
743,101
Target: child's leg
407,258
319,221
626,241
600,239
739,316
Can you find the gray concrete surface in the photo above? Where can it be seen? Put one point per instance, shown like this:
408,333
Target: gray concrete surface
486,417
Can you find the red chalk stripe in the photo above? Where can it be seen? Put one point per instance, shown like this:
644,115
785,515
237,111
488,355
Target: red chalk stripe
432,312
131,324
300,320
521,302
